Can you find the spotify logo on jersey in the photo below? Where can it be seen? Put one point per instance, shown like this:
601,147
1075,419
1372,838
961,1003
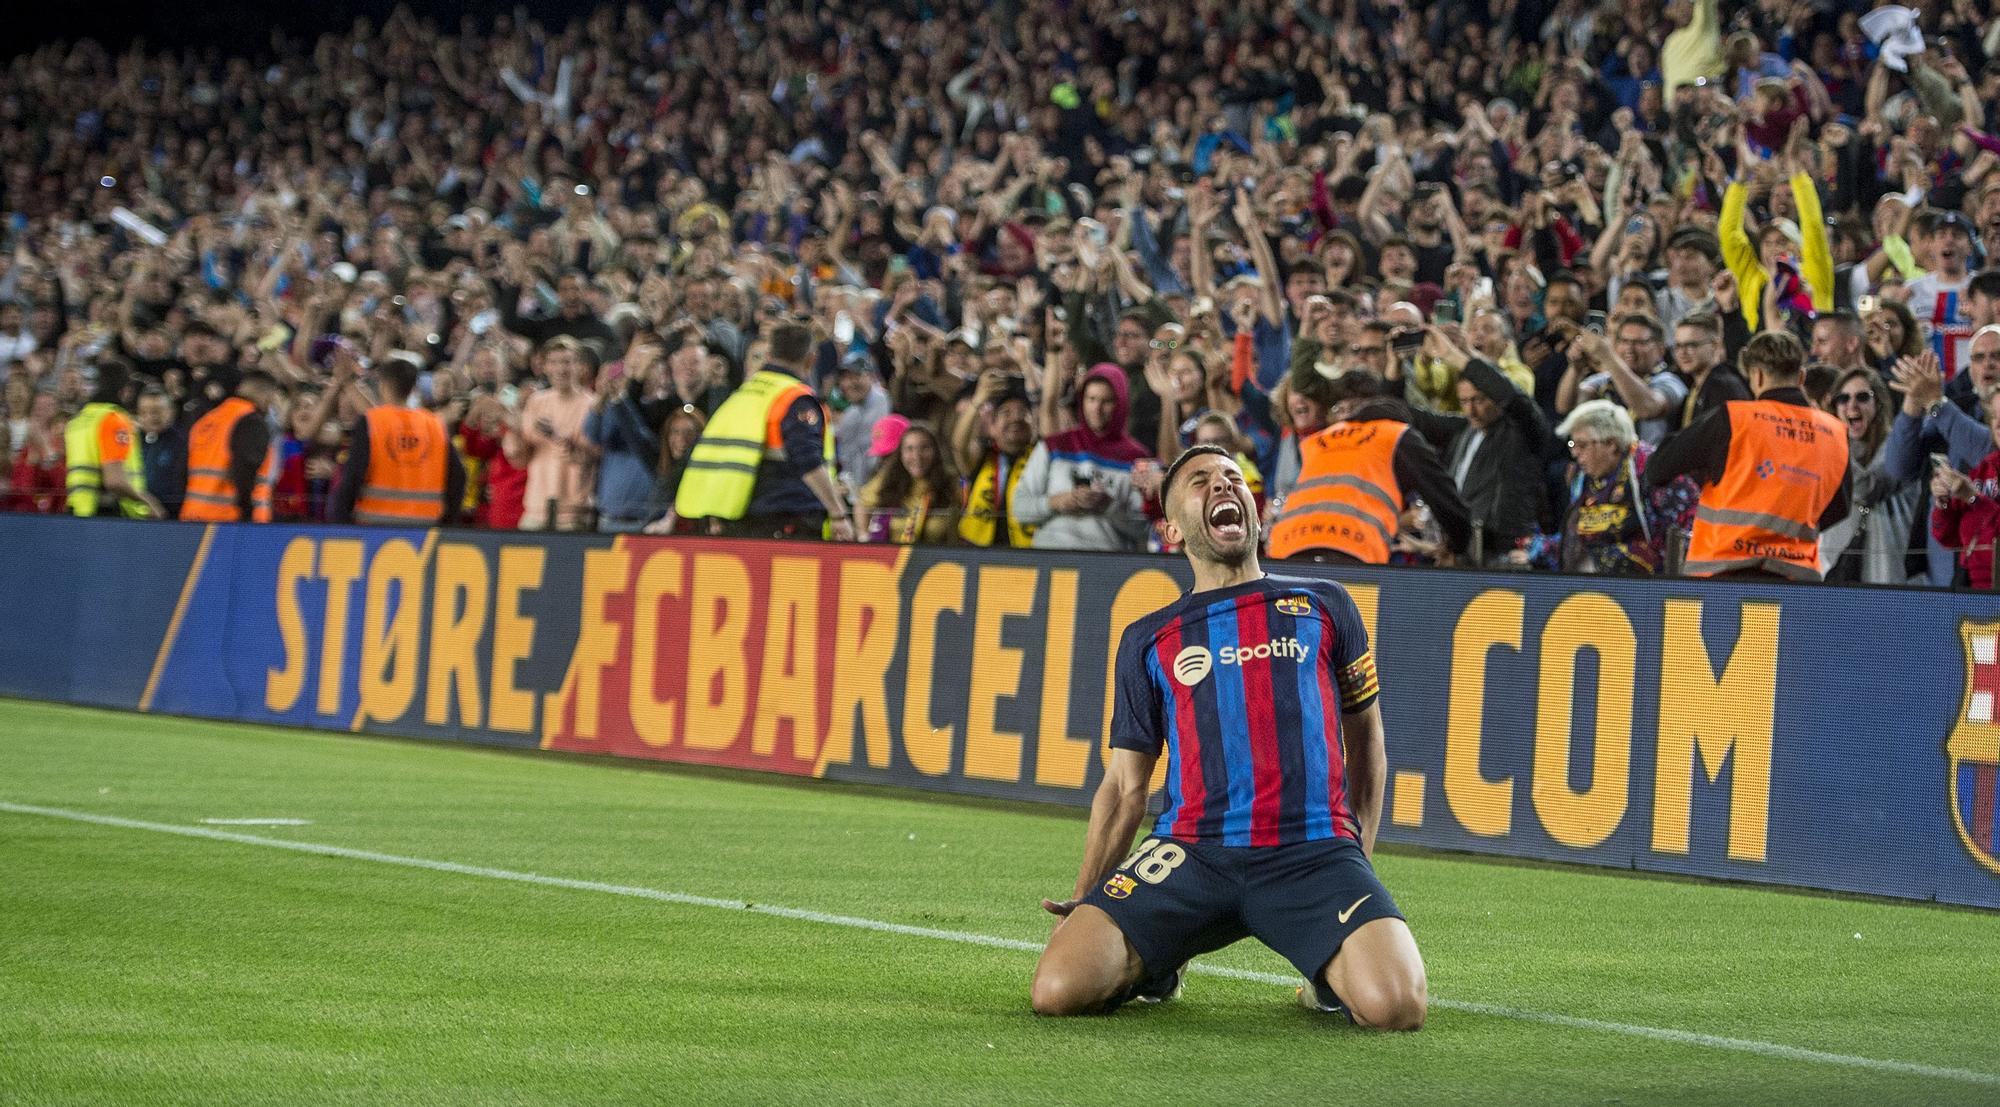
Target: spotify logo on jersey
1194,663
1191,665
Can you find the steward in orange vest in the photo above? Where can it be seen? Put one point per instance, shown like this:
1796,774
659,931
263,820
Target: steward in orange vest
1773,472
401,469
232,462
1357,476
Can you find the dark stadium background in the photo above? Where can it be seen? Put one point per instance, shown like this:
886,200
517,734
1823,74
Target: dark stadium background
240,26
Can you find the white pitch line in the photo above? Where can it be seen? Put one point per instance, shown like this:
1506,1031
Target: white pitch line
1654,1033
257,822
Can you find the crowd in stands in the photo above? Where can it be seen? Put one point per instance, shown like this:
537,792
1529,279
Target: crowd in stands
1042,247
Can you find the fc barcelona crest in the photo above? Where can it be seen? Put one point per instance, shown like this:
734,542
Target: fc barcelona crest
1972,750
1295,605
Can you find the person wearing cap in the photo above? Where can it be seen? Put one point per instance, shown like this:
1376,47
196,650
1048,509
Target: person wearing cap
928,379
1773,473
1756,266
1006,420
1693,257
867,403
763,467
210,367
913,498
1939,297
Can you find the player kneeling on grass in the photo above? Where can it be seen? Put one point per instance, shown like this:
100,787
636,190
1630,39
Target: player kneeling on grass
1253,686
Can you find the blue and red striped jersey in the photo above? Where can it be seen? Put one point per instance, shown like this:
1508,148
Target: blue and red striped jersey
1243,688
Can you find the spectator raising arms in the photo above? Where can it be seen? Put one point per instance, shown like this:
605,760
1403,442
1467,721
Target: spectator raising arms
965,207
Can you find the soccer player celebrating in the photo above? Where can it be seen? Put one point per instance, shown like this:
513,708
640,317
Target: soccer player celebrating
1261,691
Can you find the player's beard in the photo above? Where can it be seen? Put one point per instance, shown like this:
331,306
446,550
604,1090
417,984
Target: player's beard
1201,545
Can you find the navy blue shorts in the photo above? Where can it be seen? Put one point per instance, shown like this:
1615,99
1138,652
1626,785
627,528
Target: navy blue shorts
1175,900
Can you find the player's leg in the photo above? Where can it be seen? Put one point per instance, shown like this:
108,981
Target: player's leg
1086,966
1132,935
1322,907
1378,976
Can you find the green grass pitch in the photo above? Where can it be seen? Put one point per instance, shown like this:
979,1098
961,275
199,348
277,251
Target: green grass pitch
138,966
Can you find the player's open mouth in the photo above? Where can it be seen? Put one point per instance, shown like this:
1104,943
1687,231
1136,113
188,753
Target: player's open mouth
1225,519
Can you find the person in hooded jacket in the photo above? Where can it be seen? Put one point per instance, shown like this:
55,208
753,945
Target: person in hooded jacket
1078,486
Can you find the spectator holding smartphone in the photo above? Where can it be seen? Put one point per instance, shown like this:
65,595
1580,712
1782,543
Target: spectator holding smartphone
1078,485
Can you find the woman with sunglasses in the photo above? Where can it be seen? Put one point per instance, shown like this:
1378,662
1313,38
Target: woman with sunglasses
1871,545
1611,525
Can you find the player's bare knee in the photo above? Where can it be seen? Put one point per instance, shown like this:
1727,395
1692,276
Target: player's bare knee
1394,1004
1057,995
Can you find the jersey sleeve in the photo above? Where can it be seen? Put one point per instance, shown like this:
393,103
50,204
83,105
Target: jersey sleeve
1353,659
114,442
1136,722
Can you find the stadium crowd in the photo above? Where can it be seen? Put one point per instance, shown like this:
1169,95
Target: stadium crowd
1041,247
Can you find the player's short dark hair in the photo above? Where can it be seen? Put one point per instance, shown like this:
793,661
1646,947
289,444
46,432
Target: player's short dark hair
1187,455
1845,320
1985,283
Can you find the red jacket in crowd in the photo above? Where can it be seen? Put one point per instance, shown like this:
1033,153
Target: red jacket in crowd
37,480
1971,527
506,485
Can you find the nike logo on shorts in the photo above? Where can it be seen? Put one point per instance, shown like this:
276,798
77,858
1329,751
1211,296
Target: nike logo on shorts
1352,907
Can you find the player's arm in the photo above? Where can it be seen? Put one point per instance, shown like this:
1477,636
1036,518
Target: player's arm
1363,752
1115,814
1367,766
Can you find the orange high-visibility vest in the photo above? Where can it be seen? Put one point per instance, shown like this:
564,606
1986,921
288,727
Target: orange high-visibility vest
1785,464
1347,499
211,491
407,464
